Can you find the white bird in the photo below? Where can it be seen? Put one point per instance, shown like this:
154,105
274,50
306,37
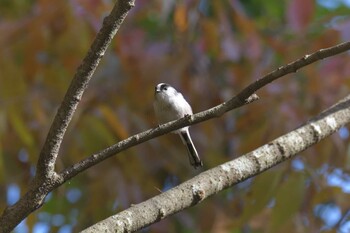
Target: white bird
170,105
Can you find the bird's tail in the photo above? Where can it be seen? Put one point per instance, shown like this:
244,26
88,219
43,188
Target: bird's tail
192,152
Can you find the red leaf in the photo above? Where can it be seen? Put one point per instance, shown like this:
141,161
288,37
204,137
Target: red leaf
299,13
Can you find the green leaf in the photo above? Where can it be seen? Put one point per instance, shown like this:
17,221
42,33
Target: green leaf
263,188
21,128
288,201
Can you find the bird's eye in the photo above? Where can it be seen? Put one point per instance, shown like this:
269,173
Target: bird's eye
164,87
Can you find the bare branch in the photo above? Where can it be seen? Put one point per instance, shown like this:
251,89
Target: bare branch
46,179
49,152
293,67
145,136
228,174
245,96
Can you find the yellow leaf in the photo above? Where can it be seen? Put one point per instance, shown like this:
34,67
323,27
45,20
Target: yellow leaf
211,36
180,18
113,121
21,128
288,201
2,170
263,189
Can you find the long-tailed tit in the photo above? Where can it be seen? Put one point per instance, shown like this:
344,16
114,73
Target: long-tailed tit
170,105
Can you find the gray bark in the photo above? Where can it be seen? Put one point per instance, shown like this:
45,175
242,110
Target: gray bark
210,182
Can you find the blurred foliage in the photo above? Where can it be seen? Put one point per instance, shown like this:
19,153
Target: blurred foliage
209,50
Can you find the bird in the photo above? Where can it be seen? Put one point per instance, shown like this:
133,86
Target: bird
170,105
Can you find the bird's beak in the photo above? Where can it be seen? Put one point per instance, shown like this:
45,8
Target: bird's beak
156,90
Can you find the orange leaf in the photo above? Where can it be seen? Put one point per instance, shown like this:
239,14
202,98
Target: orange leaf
180,18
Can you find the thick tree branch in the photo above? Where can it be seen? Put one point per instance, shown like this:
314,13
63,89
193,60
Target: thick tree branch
245,96
46,179
228,174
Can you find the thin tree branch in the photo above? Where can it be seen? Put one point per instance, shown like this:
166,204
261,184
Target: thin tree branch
293,67
49,152
228,174
147,135
46,179
245,96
